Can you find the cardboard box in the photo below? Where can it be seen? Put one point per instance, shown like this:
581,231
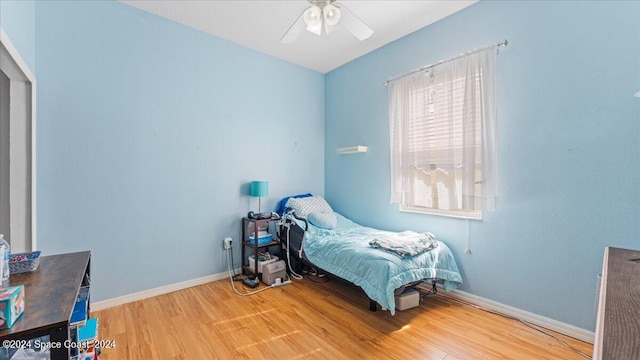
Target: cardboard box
11,305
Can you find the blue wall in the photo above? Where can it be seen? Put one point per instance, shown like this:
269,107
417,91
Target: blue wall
569,134
148,133
17,18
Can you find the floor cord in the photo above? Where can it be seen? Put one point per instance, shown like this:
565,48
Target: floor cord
231,276
530,325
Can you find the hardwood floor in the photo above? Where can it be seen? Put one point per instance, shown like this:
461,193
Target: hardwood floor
314,321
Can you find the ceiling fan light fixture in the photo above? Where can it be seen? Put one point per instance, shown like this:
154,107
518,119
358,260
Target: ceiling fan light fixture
312,16
331,15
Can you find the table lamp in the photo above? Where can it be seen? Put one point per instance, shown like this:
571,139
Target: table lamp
259,189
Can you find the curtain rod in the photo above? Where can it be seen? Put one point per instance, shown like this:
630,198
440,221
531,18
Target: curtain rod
502,43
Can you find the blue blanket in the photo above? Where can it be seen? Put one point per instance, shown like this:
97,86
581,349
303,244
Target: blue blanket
345,252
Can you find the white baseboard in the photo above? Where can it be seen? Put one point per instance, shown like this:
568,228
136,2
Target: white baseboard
105,304
545,322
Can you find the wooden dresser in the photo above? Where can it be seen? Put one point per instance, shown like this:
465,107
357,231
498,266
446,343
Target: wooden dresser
50,296
618,318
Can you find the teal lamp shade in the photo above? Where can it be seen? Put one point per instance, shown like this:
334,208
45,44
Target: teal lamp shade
259,189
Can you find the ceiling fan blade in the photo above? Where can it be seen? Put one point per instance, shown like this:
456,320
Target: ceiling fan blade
330,28
294,31
316,29
356,26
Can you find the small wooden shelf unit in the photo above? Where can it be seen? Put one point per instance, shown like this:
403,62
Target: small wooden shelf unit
246,243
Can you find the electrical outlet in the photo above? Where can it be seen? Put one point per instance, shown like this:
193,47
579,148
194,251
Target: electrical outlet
227,243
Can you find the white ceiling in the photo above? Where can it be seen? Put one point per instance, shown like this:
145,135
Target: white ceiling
260,24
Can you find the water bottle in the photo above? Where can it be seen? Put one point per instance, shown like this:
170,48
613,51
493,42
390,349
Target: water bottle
7,256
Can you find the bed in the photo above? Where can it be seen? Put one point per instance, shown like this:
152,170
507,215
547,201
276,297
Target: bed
342,249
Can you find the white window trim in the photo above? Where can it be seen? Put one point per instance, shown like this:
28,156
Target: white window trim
457,214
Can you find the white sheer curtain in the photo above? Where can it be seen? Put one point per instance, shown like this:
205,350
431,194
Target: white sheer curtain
442,125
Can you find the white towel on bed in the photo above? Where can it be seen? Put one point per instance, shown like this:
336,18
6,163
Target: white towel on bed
406,244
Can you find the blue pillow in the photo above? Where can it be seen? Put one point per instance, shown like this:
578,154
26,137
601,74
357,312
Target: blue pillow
325,220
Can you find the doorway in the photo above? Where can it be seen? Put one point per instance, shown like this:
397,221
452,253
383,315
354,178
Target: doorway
17,149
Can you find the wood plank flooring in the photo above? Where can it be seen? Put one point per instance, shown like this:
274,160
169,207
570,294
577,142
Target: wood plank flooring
314,321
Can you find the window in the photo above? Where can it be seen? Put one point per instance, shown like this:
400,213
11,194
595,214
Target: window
442,128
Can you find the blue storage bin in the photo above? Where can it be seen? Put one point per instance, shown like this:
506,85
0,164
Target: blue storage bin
262,240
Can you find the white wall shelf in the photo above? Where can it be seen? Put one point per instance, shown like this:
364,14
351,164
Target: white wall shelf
351,150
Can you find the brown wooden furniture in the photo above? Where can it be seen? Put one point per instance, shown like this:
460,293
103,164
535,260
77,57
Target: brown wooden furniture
247,243
618,318
50,295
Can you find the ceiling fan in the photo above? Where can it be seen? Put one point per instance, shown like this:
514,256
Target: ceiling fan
330,13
